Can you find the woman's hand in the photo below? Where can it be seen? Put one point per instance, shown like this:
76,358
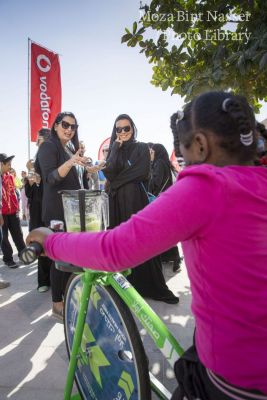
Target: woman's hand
38,235
77,159
119,140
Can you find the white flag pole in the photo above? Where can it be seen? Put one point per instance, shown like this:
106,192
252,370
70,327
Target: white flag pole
29,91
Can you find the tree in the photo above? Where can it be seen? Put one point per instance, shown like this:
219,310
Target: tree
204,45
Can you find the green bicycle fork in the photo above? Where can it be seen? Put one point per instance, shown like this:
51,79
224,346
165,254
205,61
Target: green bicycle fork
87,280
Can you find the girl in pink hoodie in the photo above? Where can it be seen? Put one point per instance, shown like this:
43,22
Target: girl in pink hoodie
217,209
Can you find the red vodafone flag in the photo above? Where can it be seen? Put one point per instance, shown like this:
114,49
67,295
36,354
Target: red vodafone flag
45,89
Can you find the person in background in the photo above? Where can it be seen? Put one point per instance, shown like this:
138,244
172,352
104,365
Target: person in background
92,176
101,164
261,135
127,171
17,182
24,200
82,148
80,168
59,163
10,213
217,209
23,176
161,178
3,284
34,193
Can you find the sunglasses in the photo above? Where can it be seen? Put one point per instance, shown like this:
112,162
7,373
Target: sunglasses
66,125
126,129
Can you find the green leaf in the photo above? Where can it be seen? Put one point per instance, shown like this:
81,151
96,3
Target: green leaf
165,85
263,62
189,67
134,27
141,31
241,65
126,37
217,75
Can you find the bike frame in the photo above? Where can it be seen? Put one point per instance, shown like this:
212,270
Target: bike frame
154,326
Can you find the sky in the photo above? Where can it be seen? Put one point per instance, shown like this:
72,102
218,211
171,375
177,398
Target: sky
101,78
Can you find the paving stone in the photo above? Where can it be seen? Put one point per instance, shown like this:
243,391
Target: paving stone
33,357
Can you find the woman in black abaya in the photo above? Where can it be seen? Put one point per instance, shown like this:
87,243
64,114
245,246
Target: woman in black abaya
160,180
127,171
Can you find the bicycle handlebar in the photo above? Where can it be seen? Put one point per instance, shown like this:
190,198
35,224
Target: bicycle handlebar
31,253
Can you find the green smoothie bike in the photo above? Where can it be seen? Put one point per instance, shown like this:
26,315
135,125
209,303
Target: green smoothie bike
107,357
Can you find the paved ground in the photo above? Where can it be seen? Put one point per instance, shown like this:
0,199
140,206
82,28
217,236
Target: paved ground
33,358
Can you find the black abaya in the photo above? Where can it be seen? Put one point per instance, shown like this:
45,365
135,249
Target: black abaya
34,194
128,166
160,180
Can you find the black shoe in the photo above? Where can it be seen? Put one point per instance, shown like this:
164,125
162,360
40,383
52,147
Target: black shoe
11,264
168,299
4,284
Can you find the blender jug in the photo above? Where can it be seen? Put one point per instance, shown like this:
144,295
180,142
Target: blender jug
85,210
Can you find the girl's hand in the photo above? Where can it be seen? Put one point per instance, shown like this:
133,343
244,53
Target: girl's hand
102,164
92,169
38,235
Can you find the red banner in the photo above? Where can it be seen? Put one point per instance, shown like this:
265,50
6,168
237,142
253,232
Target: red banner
104,144
174,162
45,94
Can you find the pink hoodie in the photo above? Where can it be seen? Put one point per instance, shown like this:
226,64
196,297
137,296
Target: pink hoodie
220,216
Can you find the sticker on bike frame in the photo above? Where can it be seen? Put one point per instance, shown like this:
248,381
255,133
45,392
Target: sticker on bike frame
105,368
122,281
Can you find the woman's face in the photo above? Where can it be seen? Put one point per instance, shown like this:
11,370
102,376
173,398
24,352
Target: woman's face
66,129
124,130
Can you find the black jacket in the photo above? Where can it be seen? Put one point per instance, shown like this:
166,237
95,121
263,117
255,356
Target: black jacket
50,156
34,194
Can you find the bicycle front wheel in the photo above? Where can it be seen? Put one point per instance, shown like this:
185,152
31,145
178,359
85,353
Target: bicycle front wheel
111,364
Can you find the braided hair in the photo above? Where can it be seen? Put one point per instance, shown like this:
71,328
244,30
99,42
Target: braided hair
182,129
230,118
226,115
261,129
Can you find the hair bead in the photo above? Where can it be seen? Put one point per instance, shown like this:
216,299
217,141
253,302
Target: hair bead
246,139
224,104
180,115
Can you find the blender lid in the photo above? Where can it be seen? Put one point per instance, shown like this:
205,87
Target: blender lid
87,192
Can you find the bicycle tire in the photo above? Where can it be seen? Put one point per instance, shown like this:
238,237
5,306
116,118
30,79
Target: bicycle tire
111,342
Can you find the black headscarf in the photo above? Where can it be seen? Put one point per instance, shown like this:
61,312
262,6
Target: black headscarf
161,154
114,133
58,119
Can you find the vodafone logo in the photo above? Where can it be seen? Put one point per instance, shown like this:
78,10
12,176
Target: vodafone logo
43,63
